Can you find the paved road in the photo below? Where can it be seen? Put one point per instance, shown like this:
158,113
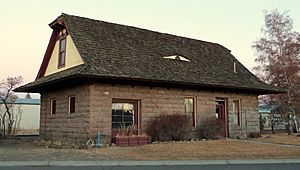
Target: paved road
165,167
149,165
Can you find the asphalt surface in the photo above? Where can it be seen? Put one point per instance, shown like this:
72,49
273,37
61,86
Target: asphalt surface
276,164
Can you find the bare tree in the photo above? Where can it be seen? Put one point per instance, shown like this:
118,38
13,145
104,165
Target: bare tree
278,58
7,98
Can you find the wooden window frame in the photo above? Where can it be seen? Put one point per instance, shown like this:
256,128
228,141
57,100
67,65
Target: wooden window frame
62,51
53,106
137,116
72,109
136,108
239,116
194,113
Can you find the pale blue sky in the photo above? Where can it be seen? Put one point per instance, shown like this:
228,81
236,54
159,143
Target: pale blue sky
234,24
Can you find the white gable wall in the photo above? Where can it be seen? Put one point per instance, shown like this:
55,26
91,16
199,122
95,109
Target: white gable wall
73,57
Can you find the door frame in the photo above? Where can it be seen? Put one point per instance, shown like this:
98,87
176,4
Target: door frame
226,123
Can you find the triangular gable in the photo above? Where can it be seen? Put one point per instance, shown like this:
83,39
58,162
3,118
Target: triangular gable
50,62
72,57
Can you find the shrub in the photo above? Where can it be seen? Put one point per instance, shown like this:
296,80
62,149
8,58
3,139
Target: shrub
170,127
254,135
262,121
127,131
210,128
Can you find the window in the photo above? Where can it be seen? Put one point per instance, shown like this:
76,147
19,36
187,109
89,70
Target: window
124,112
236,112
122,115
53,106
189,104
72,104
62,52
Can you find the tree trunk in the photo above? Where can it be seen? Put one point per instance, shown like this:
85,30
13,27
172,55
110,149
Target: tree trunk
290,128
3,123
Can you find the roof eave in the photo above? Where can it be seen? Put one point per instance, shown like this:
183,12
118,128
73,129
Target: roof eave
36,88
258,91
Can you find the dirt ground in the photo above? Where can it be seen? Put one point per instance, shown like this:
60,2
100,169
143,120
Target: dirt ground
25,149
280,138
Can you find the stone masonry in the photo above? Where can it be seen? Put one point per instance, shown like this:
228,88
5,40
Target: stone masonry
94,104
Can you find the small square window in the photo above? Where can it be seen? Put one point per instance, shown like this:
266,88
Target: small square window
72,104
53,106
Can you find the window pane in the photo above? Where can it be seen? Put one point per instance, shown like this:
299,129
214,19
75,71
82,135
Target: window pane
190,109
122,106
115,125
128,118
122,114
53,106
62,45
62,52
116,119
62,56
235,107
189,105
127,106
235,119
117,113
71,104
235,112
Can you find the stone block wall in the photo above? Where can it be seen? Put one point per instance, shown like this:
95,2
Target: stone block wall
94,109
65,126
157,100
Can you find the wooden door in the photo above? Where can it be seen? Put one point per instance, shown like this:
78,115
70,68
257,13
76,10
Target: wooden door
221,115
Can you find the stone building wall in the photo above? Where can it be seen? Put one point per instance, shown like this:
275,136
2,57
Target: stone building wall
94,108
155,101
65,126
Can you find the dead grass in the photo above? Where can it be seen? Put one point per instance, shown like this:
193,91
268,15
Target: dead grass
197,150
205,150
280,138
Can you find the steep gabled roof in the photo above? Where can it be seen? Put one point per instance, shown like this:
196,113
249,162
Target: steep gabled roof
124,52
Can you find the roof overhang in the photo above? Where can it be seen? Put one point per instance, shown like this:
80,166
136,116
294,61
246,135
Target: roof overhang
81,79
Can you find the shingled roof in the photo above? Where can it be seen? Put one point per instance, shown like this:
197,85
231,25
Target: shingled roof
124,52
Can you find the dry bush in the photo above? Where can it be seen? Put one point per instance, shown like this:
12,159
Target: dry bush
254,135
210,128
176,127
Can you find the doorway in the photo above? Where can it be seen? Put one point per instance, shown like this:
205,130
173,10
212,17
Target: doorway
221,114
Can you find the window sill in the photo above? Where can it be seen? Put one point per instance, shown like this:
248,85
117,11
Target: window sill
61,66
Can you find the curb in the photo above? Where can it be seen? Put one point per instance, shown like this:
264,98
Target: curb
148,163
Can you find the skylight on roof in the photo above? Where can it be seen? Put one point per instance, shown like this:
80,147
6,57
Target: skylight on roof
177,57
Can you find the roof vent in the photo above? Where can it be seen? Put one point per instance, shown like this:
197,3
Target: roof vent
234,67
177,57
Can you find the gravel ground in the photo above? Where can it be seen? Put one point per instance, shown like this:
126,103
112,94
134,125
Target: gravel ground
24,149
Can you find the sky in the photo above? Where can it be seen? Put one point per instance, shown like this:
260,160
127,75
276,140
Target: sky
235,24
